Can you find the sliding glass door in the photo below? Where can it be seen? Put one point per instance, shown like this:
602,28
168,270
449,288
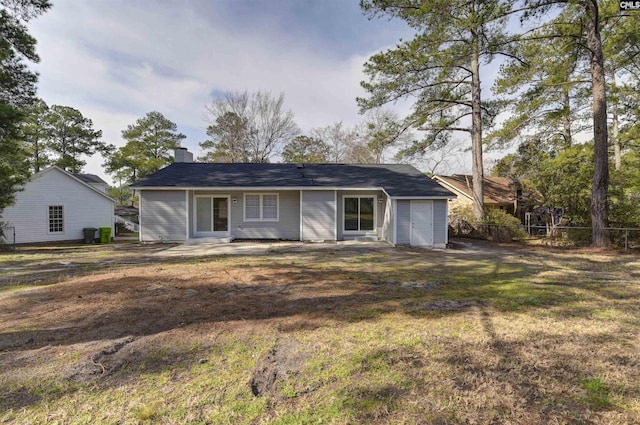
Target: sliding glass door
359,213
212,214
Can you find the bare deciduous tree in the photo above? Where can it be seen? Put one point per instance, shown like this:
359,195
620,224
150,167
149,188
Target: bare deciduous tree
262,126
340,139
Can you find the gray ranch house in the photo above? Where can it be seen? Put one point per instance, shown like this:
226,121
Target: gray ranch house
189,201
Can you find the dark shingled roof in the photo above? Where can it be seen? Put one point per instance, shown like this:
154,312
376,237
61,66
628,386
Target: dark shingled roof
497,190
395,179
90,178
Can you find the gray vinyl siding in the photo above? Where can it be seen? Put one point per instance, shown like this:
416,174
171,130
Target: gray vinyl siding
403,211
440,222
380,208
287,227
163,216
318,215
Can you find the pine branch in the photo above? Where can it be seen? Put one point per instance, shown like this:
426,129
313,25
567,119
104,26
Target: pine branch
441,129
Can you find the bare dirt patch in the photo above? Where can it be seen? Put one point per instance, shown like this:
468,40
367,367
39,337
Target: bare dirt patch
284,361
104,362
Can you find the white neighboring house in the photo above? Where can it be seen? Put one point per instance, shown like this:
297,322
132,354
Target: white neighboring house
56,205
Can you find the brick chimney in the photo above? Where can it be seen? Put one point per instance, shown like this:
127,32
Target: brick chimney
183,155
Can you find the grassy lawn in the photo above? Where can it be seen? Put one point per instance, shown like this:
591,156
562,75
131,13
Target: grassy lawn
504,335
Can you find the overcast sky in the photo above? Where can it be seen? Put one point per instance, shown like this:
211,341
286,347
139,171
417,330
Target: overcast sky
116,60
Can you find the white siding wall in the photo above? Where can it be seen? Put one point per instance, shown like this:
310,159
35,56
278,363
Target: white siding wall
318,215
99,186
82,208
163,215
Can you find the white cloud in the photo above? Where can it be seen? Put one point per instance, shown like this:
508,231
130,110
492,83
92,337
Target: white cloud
117,60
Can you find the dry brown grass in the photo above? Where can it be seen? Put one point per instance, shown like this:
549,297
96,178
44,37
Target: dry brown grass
501,334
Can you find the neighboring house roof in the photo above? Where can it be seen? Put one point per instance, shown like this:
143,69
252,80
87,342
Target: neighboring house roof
397,180
74,177
90,178
497,190
125,210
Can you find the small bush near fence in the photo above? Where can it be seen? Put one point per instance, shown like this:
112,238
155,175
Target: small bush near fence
625,238
500,219
498,225
566,236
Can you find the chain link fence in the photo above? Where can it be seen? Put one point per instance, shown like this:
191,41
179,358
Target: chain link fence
7,237
626,238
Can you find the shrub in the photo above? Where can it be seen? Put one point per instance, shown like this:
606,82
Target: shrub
497,225
121,228
461,222
504,220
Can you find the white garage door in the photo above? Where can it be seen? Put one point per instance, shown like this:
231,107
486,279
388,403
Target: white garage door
422,223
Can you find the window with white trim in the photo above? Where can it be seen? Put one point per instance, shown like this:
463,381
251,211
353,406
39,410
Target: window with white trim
359,213
56,219
261,207
269,207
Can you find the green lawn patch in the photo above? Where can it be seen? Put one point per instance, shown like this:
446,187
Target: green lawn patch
386,336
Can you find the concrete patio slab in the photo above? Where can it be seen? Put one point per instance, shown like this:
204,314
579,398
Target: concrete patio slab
262,248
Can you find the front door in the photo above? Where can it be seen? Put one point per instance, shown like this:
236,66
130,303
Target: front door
212,216
422,223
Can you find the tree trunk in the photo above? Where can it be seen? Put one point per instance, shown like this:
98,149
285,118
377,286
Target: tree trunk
615,135
566,119
615,132
36,152
599,203
476,132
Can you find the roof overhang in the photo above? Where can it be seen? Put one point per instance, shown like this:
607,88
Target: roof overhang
437,197
452,188
287,188
254,188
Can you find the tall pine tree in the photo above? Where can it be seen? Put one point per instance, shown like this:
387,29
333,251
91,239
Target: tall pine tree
17,89
440,68
150,144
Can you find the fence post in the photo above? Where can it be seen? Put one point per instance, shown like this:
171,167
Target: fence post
626,240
